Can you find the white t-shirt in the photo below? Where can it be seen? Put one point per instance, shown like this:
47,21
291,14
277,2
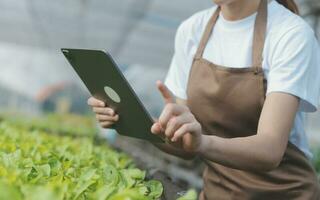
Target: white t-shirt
291,57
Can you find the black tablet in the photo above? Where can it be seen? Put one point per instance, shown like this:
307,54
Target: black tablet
106,82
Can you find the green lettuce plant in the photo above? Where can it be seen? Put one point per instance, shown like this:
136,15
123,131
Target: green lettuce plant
37,163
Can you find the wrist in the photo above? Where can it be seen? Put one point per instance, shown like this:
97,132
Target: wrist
203,145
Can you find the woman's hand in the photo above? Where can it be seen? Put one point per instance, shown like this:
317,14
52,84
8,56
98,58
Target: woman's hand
105,115
177,124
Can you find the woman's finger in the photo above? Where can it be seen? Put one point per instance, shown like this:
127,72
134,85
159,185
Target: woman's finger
157,129
184,129
104,111
175,123
103,118
106,124
170,110
95,102
165,92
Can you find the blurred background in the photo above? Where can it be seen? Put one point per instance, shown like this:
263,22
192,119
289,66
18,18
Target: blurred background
35,78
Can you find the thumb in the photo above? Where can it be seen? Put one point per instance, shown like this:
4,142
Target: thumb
165,92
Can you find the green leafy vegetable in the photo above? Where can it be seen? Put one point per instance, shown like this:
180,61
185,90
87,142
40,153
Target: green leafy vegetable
190,195
40,160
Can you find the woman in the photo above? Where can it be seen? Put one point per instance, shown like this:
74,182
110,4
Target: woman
246,123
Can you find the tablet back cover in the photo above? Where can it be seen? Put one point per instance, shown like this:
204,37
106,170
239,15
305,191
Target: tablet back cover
106,82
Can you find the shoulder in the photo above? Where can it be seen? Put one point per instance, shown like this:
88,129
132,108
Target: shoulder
284,25
193,27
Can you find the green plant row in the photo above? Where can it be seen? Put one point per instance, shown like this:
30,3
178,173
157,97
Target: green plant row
60,124
37,164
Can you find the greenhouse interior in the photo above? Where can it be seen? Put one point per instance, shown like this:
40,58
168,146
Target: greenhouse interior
51,145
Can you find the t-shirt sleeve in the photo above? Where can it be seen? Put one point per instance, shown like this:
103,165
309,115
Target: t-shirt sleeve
177,76
295,67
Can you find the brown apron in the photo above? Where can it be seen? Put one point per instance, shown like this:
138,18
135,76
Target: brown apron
228,102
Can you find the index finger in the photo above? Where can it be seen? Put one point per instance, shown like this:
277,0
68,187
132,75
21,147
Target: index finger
165,92
95,102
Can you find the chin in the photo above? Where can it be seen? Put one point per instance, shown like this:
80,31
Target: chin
222,2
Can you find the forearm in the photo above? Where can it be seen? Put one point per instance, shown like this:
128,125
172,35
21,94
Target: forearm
169,149
255,153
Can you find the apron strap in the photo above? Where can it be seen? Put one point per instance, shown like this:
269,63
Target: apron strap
207,33
258,36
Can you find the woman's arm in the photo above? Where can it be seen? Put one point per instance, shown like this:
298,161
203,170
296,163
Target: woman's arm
263,151
170,148
260,152
175,151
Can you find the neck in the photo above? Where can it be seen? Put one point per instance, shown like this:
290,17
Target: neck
239,9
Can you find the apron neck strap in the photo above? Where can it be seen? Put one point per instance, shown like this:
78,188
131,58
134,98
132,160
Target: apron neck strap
258,36
207,33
